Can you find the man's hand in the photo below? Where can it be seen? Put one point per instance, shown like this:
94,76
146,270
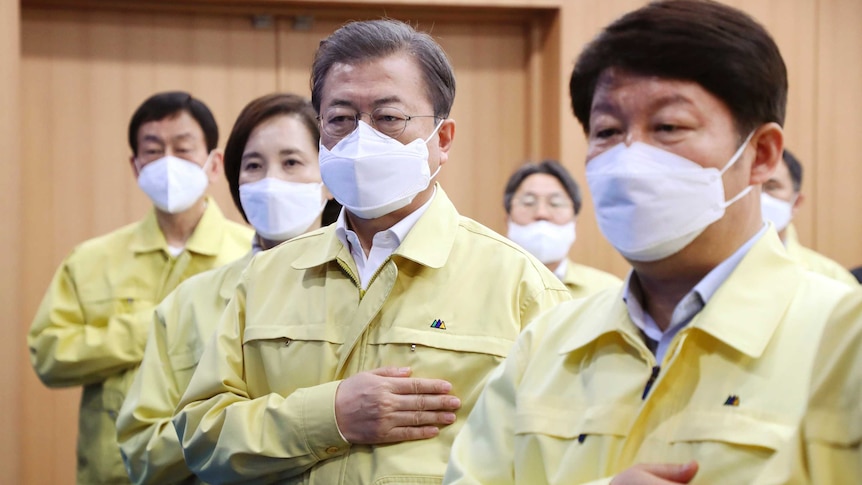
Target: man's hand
386,405
656,474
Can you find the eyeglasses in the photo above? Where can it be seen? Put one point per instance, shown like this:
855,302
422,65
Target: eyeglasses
339,122
557,202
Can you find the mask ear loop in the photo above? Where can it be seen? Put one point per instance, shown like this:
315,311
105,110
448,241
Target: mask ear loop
733,160
436,129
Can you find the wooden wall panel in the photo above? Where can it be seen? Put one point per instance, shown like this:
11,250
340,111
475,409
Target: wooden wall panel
83,75
838,223
12,363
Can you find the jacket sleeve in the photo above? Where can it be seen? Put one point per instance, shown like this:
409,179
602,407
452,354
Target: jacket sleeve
542,301
65,350
827,447
229,437
148,442
483,452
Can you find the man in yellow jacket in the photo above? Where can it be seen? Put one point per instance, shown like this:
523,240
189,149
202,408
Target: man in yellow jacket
92,325
351,354
698,369
542,201
780,200
281,200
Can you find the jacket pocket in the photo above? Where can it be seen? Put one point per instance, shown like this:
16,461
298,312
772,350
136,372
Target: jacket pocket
735,428
545,416
284,358
408,479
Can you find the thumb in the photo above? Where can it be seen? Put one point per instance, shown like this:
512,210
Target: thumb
392,371
673,472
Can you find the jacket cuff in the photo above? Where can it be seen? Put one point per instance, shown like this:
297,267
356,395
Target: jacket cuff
322,435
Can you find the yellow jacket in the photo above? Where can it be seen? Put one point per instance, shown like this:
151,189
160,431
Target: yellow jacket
568,406
814,261
827,448
449,303
92,325
183,322
583,281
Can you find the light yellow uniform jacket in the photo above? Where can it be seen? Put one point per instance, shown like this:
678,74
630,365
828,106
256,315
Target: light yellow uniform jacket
583,281
814,261
183,322
827,448
92,325
568,405
449,303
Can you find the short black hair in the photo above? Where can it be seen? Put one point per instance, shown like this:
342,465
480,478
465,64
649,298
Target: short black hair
548,167
720,48
163,105
795,169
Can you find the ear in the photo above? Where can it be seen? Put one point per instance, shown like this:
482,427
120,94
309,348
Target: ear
768,143
135,171
445,136
215,166
800,198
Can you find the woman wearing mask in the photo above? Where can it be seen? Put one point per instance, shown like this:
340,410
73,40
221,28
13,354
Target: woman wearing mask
271,163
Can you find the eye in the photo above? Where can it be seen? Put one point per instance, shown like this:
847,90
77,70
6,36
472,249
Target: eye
251,166
292,162
667,128
607,133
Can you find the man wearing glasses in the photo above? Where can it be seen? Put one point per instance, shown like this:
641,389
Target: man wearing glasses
542,201
352,354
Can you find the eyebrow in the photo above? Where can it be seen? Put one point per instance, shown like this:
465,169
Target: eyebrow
286,151
605,107
377,102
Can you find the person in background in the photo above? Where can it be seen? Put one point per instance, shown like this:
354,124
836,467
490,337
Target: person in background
542,201
780,201
271,164
92,325
350,354
699,367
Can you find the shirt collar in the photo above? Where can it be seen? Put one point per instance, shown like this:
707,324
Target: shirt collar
206,238
390,238
562,270
693,302
743,312
428,240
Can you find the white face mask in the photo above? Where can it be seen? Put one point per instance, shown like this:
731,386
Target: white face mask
280,210
548,242
778,211
173,184
372,175
651,203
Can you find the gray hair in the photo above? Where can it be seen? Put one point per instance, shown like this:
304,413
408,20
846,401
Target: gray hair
358,42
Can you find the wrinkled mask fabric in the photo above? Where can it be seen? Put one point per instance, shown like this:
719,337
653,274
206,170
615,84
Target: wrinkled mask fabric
280,210
372,175
651,203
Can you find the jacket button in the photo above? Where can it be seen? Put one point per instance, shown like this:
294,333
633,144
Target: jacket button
332,450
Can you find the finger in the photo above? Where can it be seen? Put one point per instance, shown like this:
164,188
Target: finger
410,433
392,371
421,419
425,402
673,472
419,386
